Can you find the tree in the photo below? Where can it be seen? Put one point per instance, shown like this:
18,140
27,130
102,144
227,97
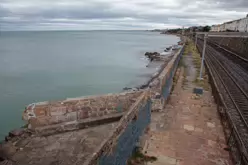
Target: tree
206,28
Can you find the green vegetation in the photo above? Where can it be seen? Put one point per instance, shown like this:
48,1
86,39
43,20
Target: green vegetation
185,53
206,28
190,48
175,30
138,158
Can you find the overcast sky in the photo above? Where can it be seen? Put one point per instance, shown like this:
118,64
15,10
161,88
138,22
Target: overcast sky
116,14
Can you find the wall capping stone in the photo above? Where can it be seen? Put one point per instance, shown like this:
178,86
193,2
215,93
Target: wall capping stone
76,125
43,114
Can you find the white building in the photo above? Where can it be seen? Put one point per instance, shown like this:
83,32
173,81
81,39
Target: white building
215,28
243,25
230,26
222,28
240,25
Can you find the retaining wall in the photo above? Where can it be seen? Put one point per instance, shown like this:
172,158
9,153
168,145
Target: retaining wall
237,45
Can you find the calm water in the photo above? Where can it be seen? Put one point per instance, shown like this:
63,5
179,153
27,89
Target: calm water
40,66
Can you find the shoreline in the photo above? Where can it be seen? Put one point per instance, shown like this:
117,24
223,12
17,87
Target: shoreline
165,60
156,74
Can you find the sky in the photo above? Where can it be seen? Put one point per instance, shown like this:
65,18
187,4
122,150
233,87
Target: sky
116,14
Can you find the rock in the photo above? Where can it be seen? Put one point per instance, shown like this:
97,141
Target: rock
7,150
126,88
157,96
16,132
7,138
152,55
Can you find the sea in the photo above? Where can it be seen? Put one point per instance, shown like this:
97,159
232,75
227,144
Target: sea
52,65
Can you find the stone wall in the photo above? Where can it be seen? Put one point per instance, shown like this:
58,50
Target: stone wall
49,113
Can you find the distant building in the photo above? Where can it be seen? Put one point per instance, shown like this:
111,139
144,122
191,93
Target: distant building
240,25
215,28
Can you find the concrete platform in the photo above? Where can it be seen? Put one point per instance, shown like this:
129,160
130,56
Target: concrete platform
59,149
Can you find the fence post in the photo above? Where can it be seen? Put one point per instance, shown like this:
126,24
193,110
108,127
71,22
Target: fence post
195,40
203,55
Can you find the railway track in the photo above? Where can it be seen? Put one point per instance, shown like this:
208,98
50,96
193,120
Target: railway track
233,84
241,61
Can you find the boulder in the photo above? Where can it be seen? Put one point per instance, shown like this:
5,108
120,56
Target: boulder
152,55
17,132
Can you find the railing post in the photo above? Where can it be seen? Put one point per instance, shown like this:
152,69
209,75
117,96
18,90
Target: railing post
195,40
203,55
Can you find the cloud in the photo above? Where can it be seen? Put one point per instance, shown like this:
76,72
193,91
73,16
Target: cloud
116,14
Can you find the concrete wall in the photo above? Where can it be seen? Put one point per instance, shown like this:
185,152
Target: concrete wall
160,87
48,113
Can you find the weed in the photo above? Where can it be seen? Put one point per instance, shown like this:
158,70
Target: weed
190,49
139,158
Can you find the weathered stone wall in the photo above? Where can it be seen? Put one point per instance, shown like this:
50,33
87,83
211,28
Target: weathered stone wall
160,88
48,113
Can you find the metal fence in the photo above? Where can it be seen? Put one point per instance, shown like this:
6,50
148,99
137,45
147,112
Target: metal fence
127,141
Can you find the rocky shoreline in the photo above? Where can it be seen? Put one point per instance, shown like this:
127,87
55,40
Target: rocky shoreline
156,57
